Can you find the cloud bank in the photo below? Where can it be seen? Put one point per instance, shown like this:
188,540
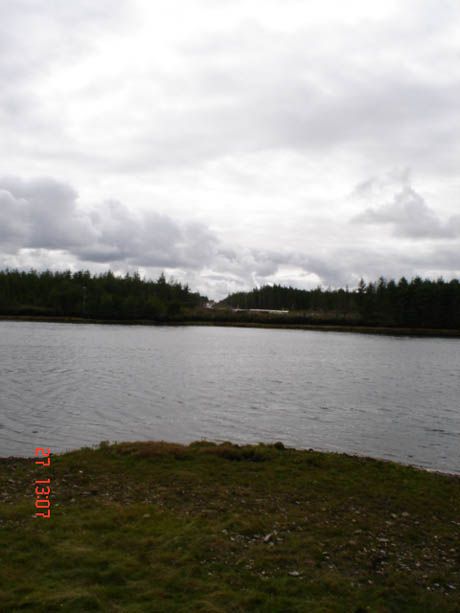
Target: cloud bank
44,214
43,224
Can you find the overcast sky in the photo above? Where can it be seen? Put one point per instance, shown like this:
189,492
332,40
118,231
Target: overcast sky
231,144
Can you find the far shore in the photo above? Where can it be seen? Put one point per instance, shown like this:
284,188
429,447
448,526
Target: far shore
235,323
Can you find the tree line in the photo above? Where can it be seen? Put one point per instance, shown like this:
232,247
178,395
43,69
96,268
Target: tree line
422,303
104,296
417,303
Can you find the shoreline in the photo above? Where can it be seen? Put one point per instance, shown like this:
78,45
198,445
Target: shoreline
337,453
357,329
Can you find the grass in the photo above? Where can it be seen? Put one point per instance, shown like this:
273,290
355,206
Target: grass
143,527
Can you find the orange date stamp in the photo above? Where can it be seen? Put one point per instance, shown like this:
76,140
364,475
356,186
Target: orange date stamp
43,486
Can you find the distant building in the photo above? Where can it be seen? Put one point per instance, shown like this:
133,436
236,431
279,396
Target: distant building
277,311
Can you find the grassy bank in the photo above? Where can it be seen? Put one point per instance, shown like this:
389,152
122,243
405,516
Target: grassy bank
242,322
162,527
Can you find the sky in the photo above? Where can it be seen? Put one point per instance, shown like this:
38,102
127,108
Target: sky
231,144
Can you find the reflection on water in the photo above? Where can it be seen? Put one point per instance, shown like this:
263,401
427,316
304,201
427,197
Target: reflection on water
64,386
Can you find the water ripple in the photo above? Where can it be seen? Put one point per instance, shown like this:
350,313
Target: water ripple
395,398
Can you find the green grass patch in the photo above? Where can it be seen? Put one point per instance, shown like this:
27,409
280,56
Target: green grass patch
164,527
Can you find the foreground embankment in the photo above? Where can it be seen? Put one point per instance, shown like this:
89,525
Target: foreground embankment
163,527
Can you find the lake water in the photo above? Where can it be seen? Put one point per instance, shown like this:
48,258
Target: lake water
64,386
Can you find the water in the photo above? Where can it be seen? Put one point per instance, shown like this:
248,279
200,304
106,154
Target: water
65,386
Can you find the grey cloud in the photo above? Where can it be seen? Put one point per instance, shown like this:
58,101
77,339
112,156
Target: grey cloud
285,91
376,185
147,239
394,262
336,267
346,265
42,223
12,224
45,214
244,89
339,267
411,217
250,267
